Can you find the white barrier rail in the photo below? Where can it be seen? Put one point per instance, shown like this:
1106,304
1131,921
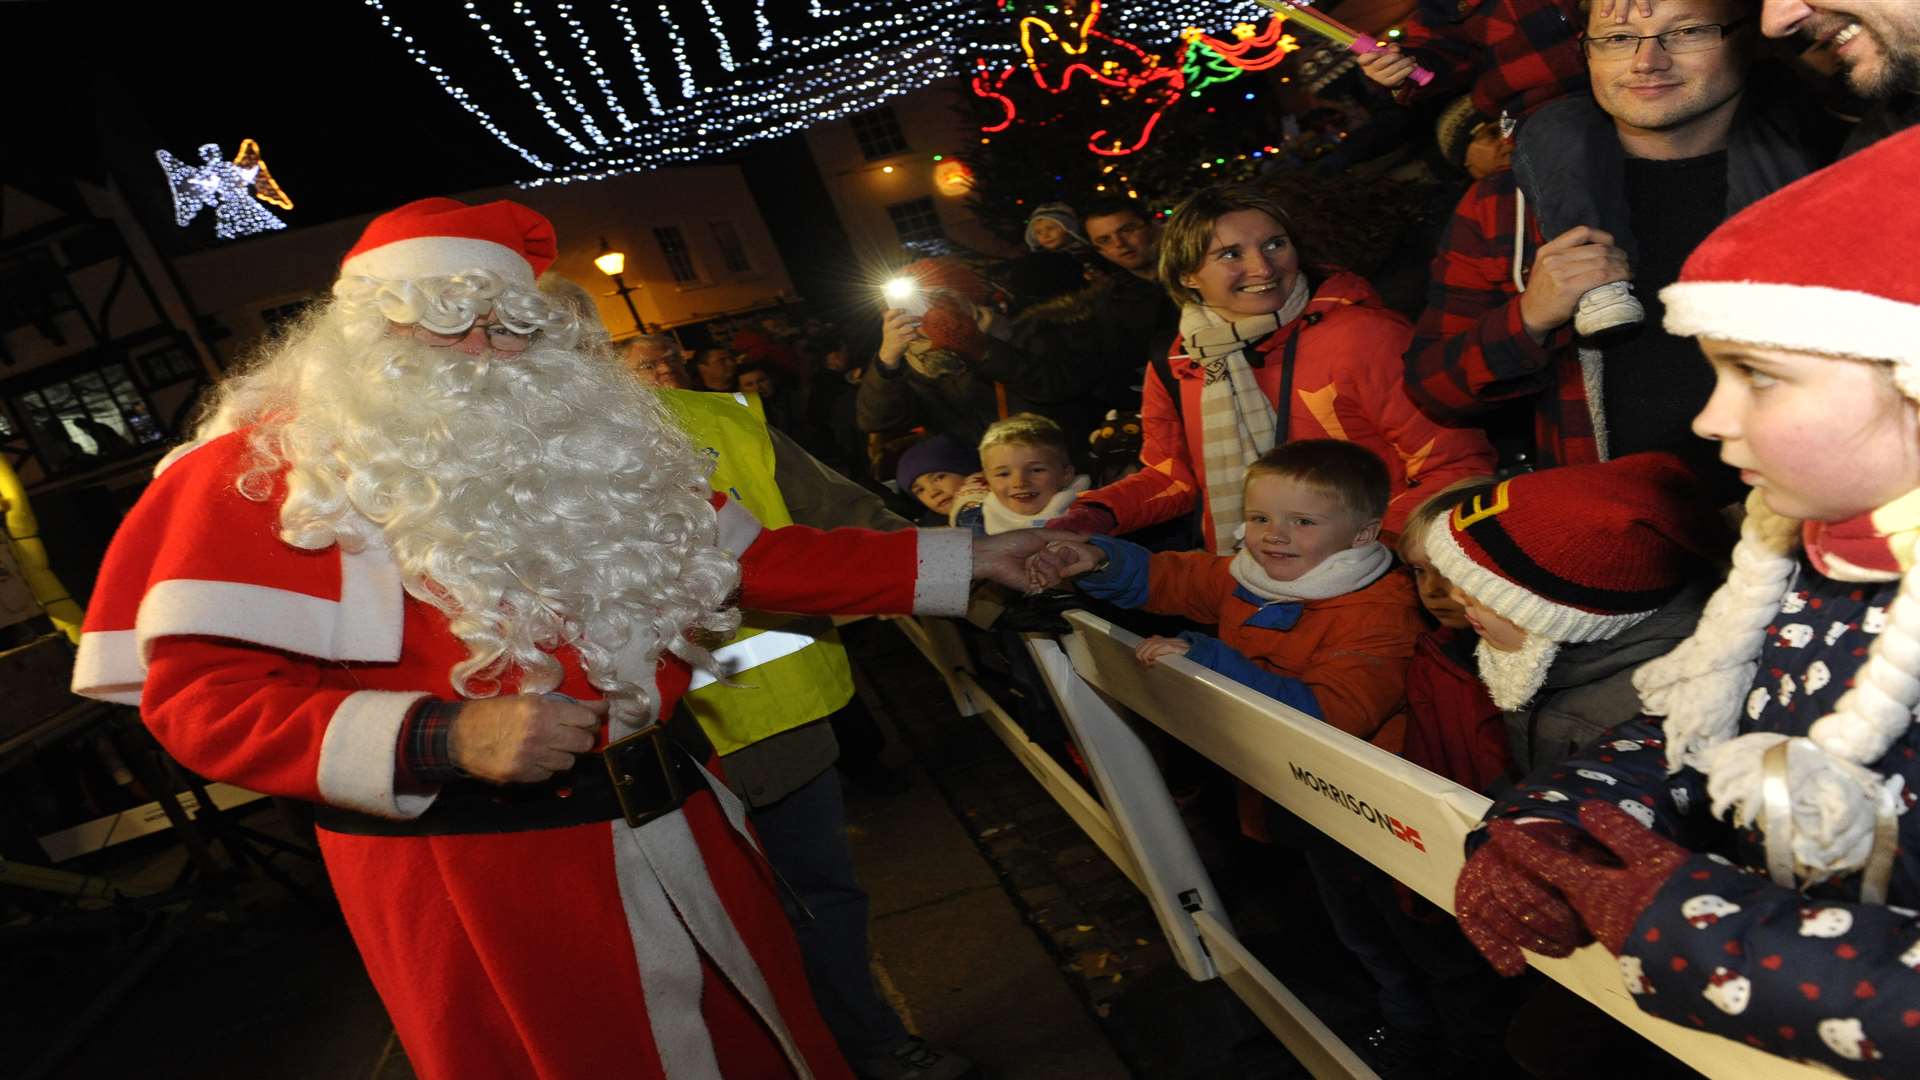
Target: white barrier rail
1410,823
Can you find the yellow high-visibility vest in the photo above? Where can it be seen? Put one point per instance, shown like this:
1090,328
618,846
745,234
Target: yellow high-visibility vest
785,671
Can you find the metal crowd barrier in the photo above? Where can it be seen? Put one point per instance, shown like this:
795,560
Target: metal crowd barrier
1408,822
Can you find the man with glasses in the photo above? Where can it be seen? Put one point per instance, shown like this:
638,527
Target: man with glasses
1133,316
1605,189
1877,42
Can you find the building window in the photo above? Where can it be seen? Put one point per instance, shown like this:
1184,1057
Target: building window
916,221
86,418
170,363
673,247
878,132
733,254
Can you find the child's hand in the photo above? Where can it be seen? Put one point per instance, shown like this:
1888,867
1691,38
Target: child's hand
1389,67
974,490
1070,558
1616,11
1155,649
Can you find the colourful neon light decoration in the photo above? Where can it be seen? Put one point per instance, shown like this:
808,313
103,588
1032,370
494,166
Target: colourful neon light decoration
1122,72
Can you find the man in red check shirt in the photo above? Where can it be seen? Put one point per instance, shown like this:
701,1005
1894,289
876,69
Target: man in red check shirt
1616,186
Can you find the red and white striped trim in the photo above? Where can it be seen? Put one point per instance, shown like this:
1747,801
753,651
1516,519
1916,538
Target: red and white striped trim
363,625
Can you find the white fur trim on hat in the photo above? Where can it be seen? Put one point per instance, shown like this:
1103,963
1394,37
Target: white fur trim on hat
440,256
1806,318
1530,612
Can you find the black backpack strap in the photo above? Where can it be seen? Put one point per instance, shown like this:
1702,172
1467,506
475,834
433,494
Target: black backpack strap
1283,405
1163,370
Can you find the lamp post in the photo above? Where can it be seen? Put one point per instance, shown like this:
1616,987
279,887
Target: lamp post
611,263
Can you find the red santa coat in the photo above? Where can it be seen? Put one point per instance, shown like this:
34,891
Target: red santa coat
570,952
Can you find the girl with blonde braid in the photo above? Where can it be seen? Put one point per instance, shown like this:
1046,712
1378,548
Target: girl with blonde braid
1746,846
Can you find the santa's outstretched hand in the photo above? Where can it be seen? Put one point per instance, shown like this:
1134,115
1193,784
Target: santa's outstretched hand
1608,894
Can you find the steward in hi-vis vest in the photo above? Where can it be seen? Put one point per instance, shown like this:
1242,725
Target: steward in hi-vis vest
781,671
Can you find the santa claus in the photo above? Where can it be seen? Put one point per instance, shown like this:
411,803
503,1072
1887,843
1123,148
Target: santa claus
429,566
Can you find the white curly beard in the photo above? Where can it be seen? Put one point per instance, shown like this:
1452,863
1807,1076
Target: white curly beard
1513,678
539,499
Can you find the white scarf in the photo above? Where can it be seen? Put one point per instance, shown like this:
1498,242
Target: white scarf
1236,419
999,519
1338,574
1512,678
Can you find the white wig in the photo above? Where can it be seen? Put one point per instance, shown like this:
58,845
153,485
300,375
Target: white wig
540,500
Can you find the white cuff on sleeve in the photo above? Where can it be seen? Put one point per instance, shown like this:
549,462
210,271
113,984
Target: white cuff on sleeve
944,572
357,755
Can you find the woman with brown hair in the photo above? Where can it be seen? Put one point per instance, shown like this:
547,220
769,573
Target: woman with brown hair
1262,325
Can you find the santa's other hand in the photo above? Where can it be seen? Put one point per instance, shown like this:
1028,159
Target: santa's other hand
522,739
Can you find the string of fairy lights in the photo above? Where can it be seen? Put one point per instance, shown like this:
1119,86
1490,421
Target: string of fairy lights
602,89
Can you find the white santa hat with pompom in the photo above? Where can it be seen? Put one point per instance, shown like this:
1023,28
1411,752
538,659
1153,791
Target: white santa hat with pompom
1822,266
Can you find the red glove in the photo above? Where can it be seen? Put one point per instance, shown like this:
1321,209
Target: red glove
1609,893
1503,908
1086,517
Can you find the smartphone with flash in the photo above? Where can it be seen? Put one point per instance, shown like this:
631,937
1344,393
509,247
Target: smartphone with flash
903,294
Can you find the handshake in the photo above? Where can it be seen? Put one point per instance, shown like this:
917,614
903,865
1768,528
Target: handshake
1052,565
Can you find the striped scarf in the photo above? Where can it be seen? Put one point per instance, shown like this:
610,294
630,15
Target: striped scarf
1236,419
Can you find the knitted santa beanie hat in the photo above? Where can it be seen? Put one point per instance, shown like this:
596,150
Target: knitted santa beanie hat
442,237
1820,266
1578,553
949,323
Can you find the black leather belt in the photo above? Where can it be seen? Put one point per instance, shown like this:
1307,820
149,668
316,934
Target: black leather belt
639,778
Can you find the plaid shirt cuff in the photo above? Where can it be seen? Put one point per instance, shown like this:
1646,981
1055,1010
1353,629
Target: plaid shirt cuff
424,756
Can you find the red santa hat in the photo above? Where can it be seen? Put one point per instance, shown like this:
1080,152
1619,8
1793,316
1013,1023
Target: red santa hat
1824,265
441,237
1641,536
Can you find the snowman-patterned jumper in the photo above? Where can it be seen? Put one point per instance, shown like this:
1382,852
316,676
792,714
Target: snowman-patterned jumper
1820,975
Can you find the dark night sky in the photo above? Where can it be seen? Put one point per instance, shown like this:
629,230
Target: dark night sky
347,123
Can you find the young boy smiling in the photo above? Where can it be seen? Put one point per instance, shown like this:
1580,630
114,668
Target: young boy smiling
1030,477
1307,611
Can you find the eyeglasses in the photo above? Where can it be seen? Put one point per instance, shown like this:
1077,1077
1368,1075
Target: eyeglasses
1124,232
499,337
1680,39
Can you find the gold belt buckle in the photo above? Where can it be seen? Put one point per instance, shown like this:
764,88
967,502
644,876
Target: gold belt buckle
644,780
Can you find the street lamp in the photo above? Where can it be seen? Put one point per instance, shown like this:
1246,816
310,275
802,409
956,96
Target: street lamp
611,263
